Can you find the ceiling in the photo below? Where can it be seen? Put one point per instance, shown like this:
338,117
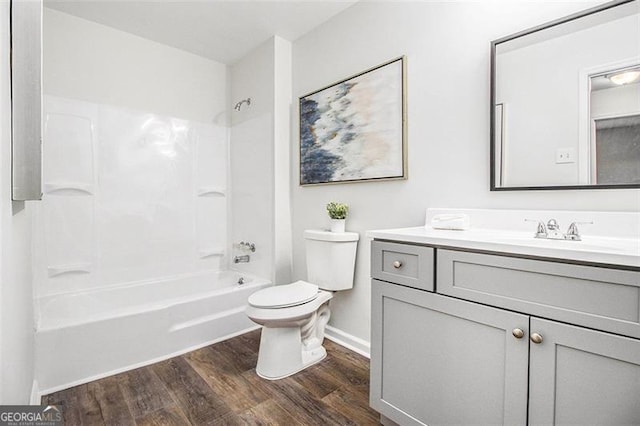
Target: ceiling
224,31
602,82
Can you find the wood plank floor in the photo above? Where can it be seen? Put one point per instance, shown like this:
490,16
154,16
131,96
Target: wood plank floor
218,385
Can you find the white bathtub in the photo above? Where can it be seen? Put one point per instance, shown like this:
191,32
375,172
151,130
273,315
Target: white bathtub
84,336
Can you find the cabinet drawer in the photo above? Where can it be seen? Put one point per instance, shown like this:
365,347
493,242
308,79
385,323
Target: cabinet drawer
404,264
599,298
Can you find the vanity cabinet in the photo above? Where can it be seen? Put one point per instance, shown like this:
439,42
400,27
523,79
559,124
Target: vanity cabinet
602,298
440,359
583,376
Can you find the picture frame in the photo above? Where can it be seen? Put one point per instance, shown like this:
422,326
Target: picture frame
354,130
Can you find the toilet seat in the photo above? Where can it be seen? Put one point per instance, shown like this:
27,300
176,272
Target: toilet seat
284,296
280,316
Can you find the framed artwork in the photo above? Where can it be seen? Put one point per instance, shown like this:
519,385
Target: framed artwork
355,129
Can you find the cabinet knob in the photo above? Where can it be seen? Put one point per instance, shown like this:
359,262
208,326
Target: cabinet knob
536,338
518,333
397,264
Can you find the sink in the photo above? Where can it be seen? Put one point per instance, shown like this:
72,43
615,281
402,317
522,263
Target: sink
596,244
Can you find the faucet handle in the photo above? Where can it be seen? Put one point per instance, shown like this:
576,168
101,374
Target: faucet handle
573,233
541,232
553,225
247,246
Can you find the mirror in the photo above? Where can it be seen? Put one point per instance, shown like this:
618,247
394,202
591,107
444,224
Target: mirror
565,102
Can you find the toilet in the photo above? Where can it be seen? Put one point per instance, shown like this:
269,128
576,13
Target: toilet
294,316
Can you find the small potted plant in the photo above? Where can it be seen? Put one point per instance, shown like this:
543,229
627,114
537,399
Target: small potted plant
338,213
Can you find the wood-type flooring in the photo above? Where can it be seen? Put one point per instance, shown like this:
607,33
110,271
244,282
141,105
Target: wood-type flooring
218,385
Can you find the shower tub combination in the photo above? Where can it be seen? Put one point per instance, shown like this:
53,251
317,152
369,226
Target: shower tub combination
87,335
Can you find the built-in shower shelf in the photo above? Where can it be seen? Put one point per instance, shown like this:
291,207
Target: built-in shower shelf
214,252
75,268
211,192
68,188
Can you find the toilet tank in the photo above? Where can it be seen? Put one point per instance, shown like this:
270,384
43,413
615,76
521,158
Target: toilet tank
331,258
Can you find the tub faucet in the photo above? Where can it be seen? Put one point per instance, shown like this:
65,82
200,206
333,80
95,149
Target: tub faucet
248,246
245,258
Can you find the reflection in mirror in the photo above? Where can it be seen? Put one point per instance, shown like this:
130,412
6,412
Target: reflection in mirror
566,102
615,127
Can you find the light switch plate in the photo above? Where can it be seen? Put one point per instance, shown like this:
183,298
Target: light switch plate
565,155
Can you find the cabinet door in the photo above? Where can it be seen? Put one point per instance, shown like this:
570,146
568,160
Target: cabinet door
582,376
435,359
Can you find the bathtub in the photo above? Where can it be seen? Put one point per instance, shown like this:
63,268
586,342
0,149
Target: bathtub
87,335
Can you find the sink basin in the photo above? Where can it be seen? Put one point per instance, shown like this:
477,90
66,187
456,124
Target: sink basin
596,244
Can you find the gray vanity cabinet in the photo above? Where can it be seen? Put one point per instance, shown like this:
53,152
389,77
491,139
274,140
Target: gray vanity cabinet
582,376
438,360
595,297
493,359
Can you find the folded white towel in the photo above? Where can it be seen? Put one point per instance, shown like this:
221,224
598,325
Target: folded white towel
450,221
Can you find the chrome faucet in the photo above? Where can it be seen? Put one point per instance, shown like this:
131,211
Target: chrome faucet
573,233
552,230
245,258
541,232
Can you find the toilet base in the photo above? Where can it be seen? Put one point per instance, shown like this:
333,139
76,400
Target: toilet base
287,350
286,358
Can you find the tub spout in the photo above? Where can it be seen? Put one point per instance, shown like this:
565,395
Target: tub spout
242,259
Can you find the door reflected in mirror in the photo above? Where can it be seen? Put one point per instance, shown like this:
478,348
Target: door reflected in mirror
615,127
566,102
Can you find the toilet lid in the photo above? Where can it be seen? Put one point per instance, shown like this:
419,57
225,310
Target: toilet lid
282,296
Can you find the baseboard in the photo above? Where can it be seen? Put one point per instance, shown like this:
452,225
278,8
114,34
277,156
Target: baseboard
349,341
142,364
35,394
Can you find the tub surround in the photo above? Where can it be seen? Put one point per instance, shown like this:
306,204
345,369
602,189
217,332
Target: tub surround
554,327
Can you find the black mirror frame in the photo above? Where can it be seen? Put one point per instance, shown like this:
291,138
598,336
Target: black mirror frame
492,151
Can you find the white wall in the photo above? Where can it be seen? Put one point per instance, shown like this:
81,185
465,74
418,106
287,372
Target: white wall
92,62
616,101
282,161
251,148
141,127
260,211
16,307
447,48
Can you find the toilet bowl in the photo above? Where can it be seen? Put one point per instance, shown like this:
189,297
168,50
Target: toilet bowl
293,330
294,316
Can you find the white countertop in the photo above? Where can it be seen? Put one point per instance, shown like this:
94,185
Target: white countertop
592,249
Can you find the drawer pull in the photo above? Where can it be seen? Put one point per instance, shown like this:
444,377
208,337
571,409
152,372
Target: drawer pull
536,338
397,264
518,333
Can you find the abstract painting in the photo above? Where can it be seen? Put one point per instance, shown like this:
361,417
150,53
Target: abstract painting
354,130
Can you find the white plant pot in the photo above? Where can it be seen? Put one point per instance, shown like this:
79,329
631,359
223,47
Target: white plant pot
337,225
